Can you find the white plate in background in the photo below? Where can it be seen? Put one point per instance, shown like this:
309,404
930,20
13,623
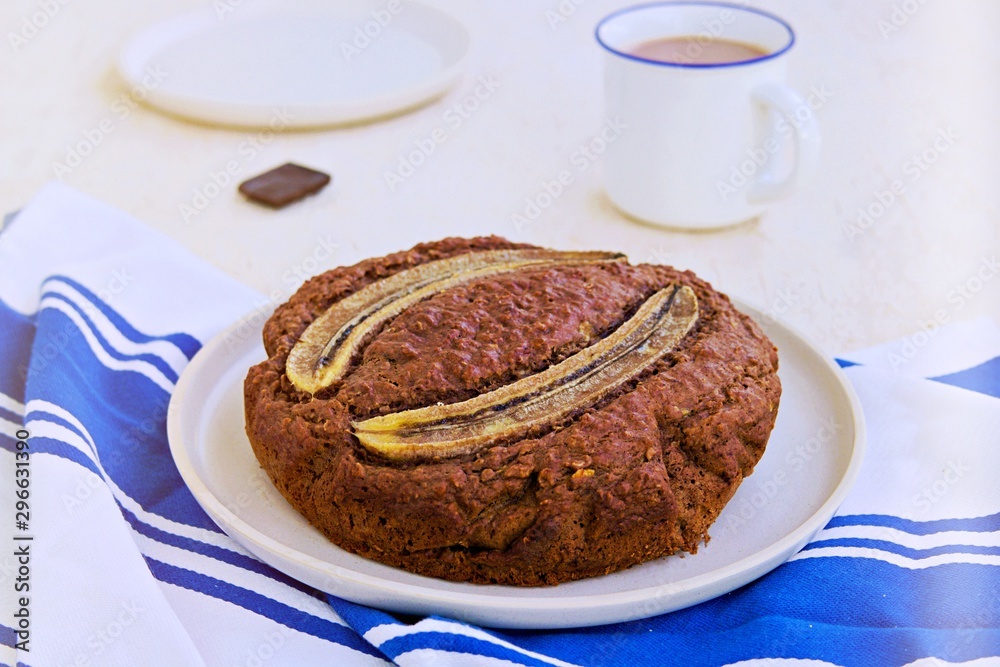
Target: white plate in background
811,460
295,63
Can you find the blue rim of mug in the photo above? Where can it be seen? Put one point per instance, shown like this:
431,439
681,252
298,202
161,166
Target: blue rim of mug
697,3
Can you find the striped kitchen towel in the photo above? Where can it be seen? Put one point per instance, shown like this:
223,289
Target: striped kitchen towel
110,561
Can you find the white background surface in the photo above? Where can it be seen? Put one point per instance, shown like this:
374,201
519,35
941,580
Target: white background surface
890,94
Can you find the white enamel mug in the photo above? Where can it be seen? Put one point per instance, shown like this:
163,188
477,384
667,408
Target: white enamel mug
702,146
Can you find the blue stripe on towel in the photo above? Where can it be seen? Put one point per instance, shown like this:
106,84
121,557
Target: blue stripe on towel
151,359
892,547
8,636
125,414
41,445
259,604
15,351
444,641
229,556
12,417
984,378
358,616
988,524
8,442
189,345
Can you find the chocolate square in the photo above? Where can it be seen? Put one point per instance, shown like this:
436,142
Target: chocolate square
283,185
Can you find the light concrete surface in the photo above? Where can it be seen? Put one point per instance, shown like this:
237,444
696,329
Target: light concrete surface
906,92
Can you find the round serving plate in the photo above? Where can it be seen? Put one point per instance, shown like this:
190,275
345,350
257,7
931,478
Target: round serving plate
810,463
295,63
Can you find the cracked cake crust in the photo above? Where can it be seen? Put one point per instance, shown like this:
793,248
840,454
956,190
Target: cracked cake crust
641,474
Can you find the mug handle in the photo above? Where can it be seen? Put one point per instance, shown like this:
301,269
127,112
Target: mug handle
806,137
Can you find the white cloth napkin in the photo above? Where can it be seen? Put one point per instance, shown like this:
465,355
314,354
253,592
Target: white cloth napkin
93,597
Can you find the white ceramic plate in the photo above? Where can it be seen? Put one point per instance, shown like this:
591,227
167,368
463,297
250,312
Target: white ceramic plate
295,63
810,463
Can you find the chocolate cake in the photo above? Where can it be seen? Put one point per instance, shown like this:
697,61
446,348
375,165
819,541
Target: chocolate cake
490,412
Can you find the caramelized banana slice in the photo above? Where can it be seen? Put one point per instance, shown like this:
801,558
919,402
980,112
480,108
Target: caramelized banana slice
550,396
324,352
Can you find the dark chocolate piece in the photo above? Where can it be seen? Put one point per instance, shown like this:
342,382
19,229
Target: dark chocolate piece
283,185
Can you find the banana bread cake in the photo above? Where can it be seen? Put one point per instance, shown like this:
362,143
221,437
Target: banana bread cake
491,412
